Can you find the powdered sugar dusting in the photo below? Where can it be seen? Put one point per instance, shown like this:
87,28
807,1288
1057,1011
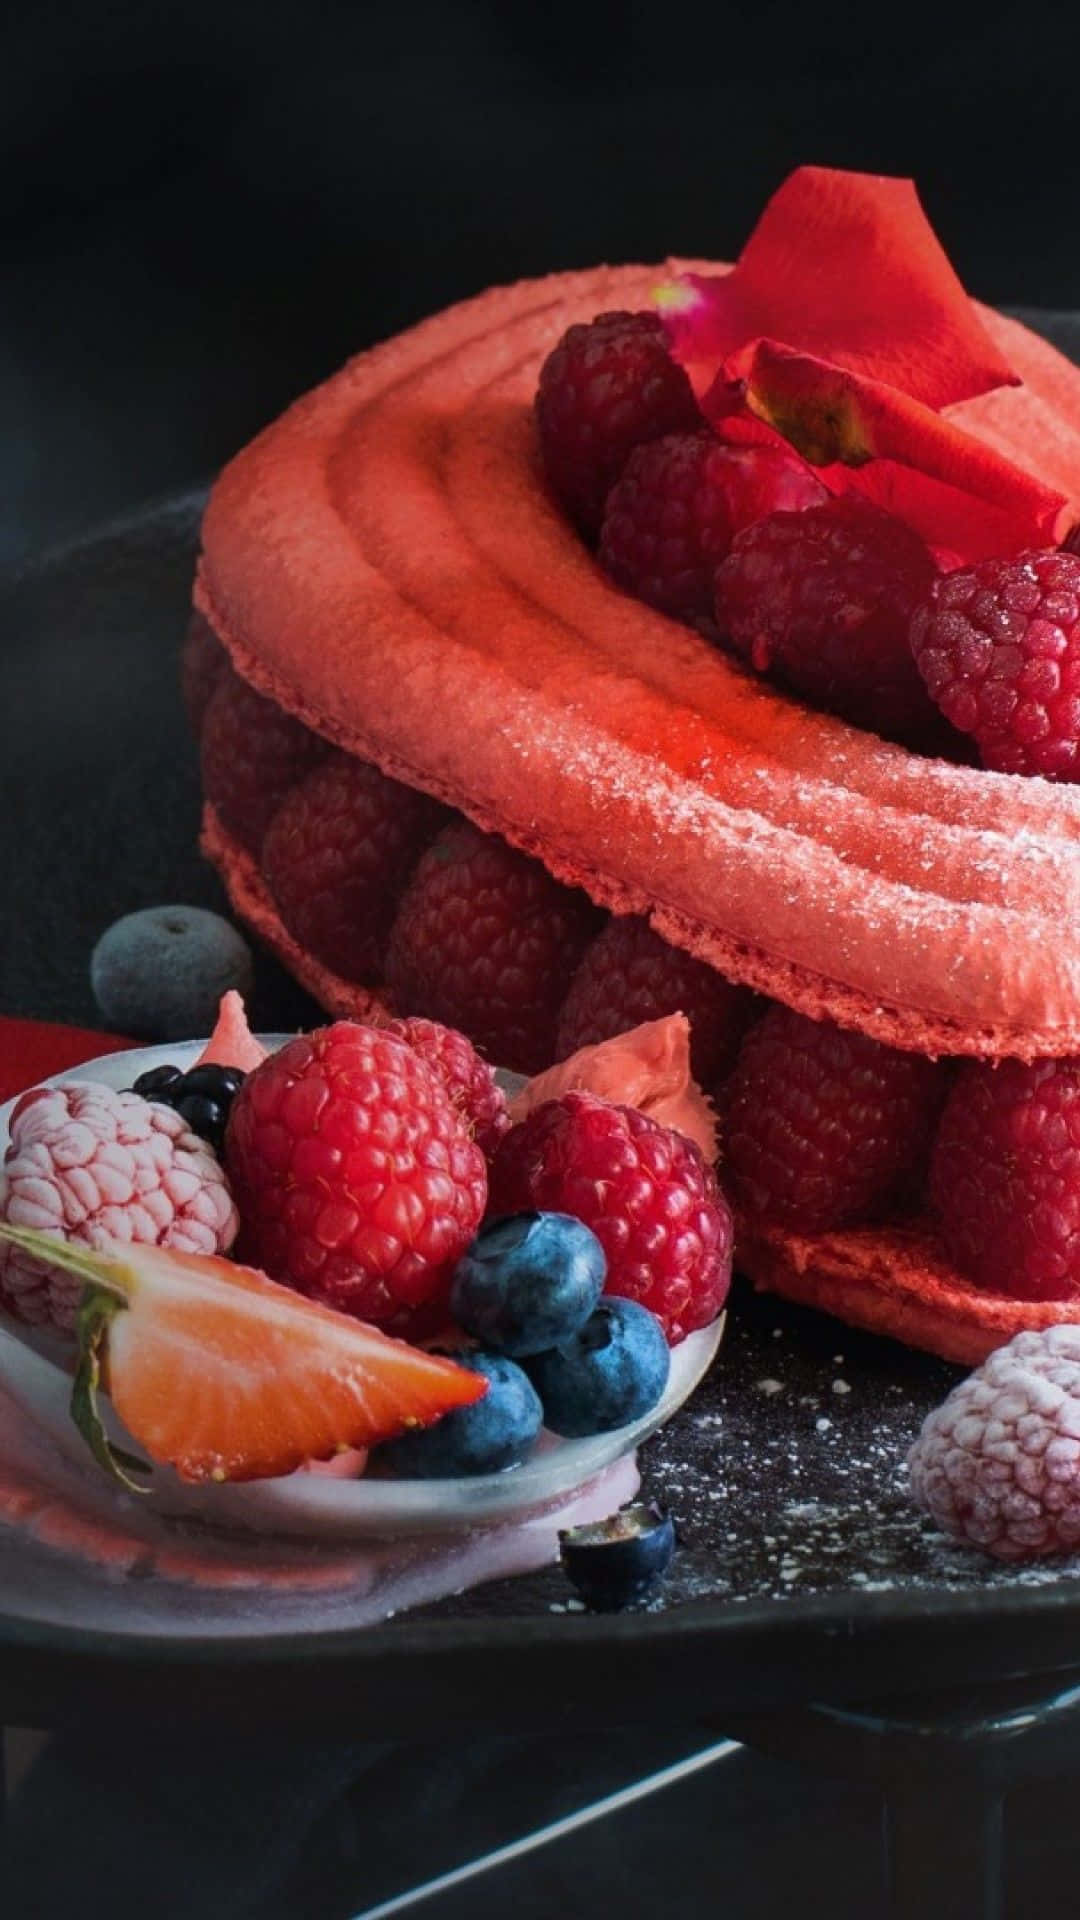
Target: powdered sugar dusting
783,1488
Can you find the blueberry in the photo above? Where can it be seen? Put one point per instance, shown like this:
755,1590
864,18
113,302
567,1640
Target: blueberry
156,1083
614,1562
217,1083
203,1115
610,1373
162,972
528,1282
495,1432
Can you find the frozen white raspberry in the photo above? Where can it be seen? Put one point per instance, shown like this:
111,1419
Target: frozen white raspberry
100,1166
998,1464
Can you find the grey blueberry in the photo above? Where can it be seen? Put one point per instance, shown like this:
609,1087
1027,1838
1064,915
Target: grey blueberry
160,973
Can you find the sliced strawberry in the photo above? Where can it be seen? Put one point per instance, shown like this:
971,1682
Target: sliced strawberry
221,1373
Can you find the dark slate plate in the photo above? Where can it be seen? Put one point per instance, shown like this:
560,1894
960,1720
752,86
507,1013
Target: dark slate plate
803,1571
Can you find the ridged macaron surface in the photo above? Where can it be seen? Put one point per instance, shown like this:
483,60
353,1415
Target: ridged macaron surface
386,562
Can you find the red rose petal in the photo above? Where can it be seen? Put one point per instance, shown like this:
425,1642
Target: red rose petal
958,492
844,266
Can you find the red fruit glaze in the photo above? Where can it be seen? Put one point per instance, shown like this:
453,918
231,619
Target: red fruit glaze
251,754
487,941
998,646
645,1191
203,661
822,601
469,1081
336,857
355,1174
671,515
628,975
609,384
821,1126
1005,1177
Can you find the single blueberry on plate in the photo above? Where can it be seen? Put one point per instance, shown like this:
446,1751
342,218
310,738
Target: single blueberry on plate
611,1372
528,1282
495,1432
161,972
614,1562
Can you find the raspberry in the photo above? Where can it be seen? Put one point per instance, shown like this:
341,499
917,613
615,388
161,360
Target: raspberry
251,754
606,387
487,941
355,1174
203,660
822,1126
998,1465
629,975
99,1166
1005,1177
671,515
998,645
336,857
470,1082
822,601
645,1191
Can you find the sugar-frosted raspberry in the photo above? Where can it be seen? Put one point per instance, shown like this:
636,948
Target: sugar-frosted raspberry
485,940
822,1126
822,602
98,1166
203,661
629,975
645,1191
357,1178
251,754
606,387
470,1082
998,1465
1005,1177
998,646
672,514
336,856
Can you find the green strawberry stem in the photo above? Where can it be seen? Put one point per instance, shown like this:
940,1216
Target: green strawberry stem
104,1296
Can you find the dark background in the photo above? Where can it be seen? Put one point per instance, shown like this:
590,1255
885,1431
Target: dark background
204,207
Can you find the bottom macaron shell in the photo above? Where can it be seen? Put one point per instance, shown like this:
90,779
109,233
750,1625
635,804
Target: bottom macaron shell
894,1280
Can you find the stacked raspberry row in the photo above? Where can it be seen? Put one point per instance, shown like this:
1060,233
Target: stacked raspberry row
822,1128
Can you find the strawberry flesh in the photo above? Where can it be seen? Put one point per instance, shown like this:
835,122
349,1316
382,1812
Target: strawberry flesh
222,1374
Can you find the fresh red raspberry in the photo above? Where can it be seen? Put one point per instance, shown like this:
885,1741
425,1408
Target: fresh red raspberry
998,1465
671,516
356,1176
336,857
645,1191
251,754
821,1127
470,1082
606,387
203,660
998,645
1005,1177
628,975
822,602
485,940
98,1166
